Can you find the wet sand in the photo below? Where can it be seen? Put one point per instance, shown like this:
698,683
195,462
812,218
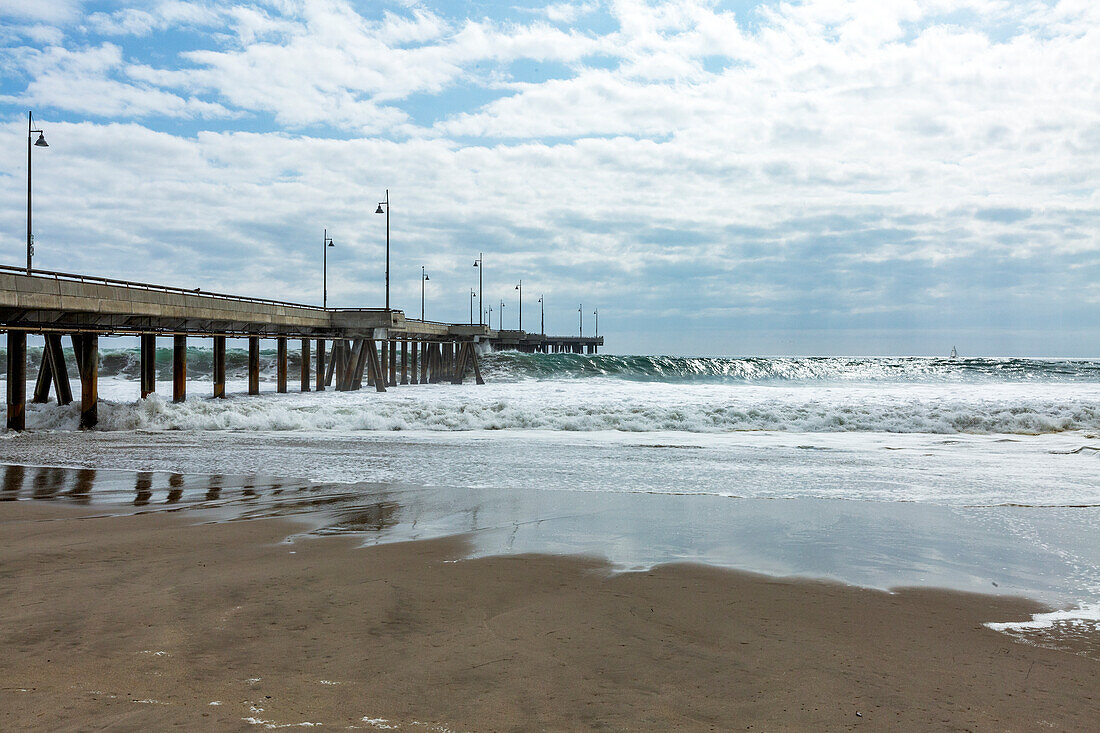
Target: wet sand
143,622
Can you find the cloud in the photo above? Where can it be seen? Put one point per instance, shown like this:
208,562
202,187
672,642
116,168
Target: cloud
85,81
844,164
46,11
160,16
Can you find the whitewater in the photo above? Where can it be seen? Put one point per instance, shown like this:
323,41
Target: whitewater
638,394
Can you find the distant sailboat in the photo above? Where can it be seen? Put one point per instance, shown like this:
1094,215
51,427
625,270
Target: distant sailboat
954,354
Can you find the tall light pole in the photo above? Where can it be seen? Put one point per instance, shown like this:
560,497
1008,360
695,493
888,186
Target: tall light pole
520,289
472,296
479,263
580,315
41,143
490,318
501,315
326,242
423,279
542,316
379,210
597,314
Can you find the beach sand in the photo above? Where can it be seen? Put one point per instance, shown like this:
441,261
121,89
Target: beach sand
153,621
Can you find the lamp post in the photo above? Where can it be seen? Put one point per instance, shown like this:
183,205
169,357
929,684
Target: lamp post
489,320
520,289
597,314
542,316
379,210
502,315
423,279
580,317
472,296
326,242
479,263
41,143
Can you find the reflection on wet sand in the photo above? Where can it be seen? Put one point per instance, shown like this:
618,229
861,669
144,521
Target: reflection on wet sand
143,488
48,482
370,518
214,488
13,482
82,488
342,508
175,482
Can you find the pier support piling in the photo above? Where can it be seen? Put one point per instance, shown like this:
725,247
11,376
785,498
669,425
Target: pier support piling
62,388
179,368
361,356
436,368
320,381
393,364
219,367
477,368
385,364
405,361
53,371
374,366
280,368
253,365
339,364
147,365
88,347
330,368
460,364
17,380
351,365
336,365
42,384
305,365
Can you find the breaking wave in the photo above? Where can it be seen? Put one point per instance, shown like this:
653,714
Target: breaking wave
749,370
514,366
595,406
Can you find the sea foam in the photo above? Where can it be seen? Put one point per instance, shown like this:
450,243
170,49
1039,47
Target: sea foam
607,404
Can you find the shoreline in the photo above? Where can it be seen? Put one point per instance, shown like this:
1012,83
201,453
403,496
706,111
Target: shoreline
148,619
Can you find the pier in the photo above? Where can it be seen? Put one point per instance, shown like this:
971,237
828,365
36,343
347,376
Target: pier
342,348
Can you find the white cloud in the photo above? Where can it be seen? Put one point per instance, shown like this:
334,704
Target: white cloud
834,157
161,15
46,11
84,81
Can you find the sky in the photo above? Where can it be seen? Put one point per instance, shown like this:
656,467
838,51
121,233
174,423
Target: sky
864,177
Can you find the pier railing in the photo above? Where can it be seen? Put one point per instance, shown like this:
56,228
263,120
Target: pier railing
132,285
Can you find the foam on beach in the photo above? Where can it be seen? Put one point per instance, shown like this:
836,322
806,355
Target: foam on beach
1083,616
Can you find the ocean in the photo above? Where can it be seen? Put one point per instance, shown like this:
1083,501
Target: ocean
973,474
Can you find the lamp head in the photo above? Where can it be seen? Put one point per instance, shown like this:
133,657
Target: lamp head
426,278
41,142
475,263
379,210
